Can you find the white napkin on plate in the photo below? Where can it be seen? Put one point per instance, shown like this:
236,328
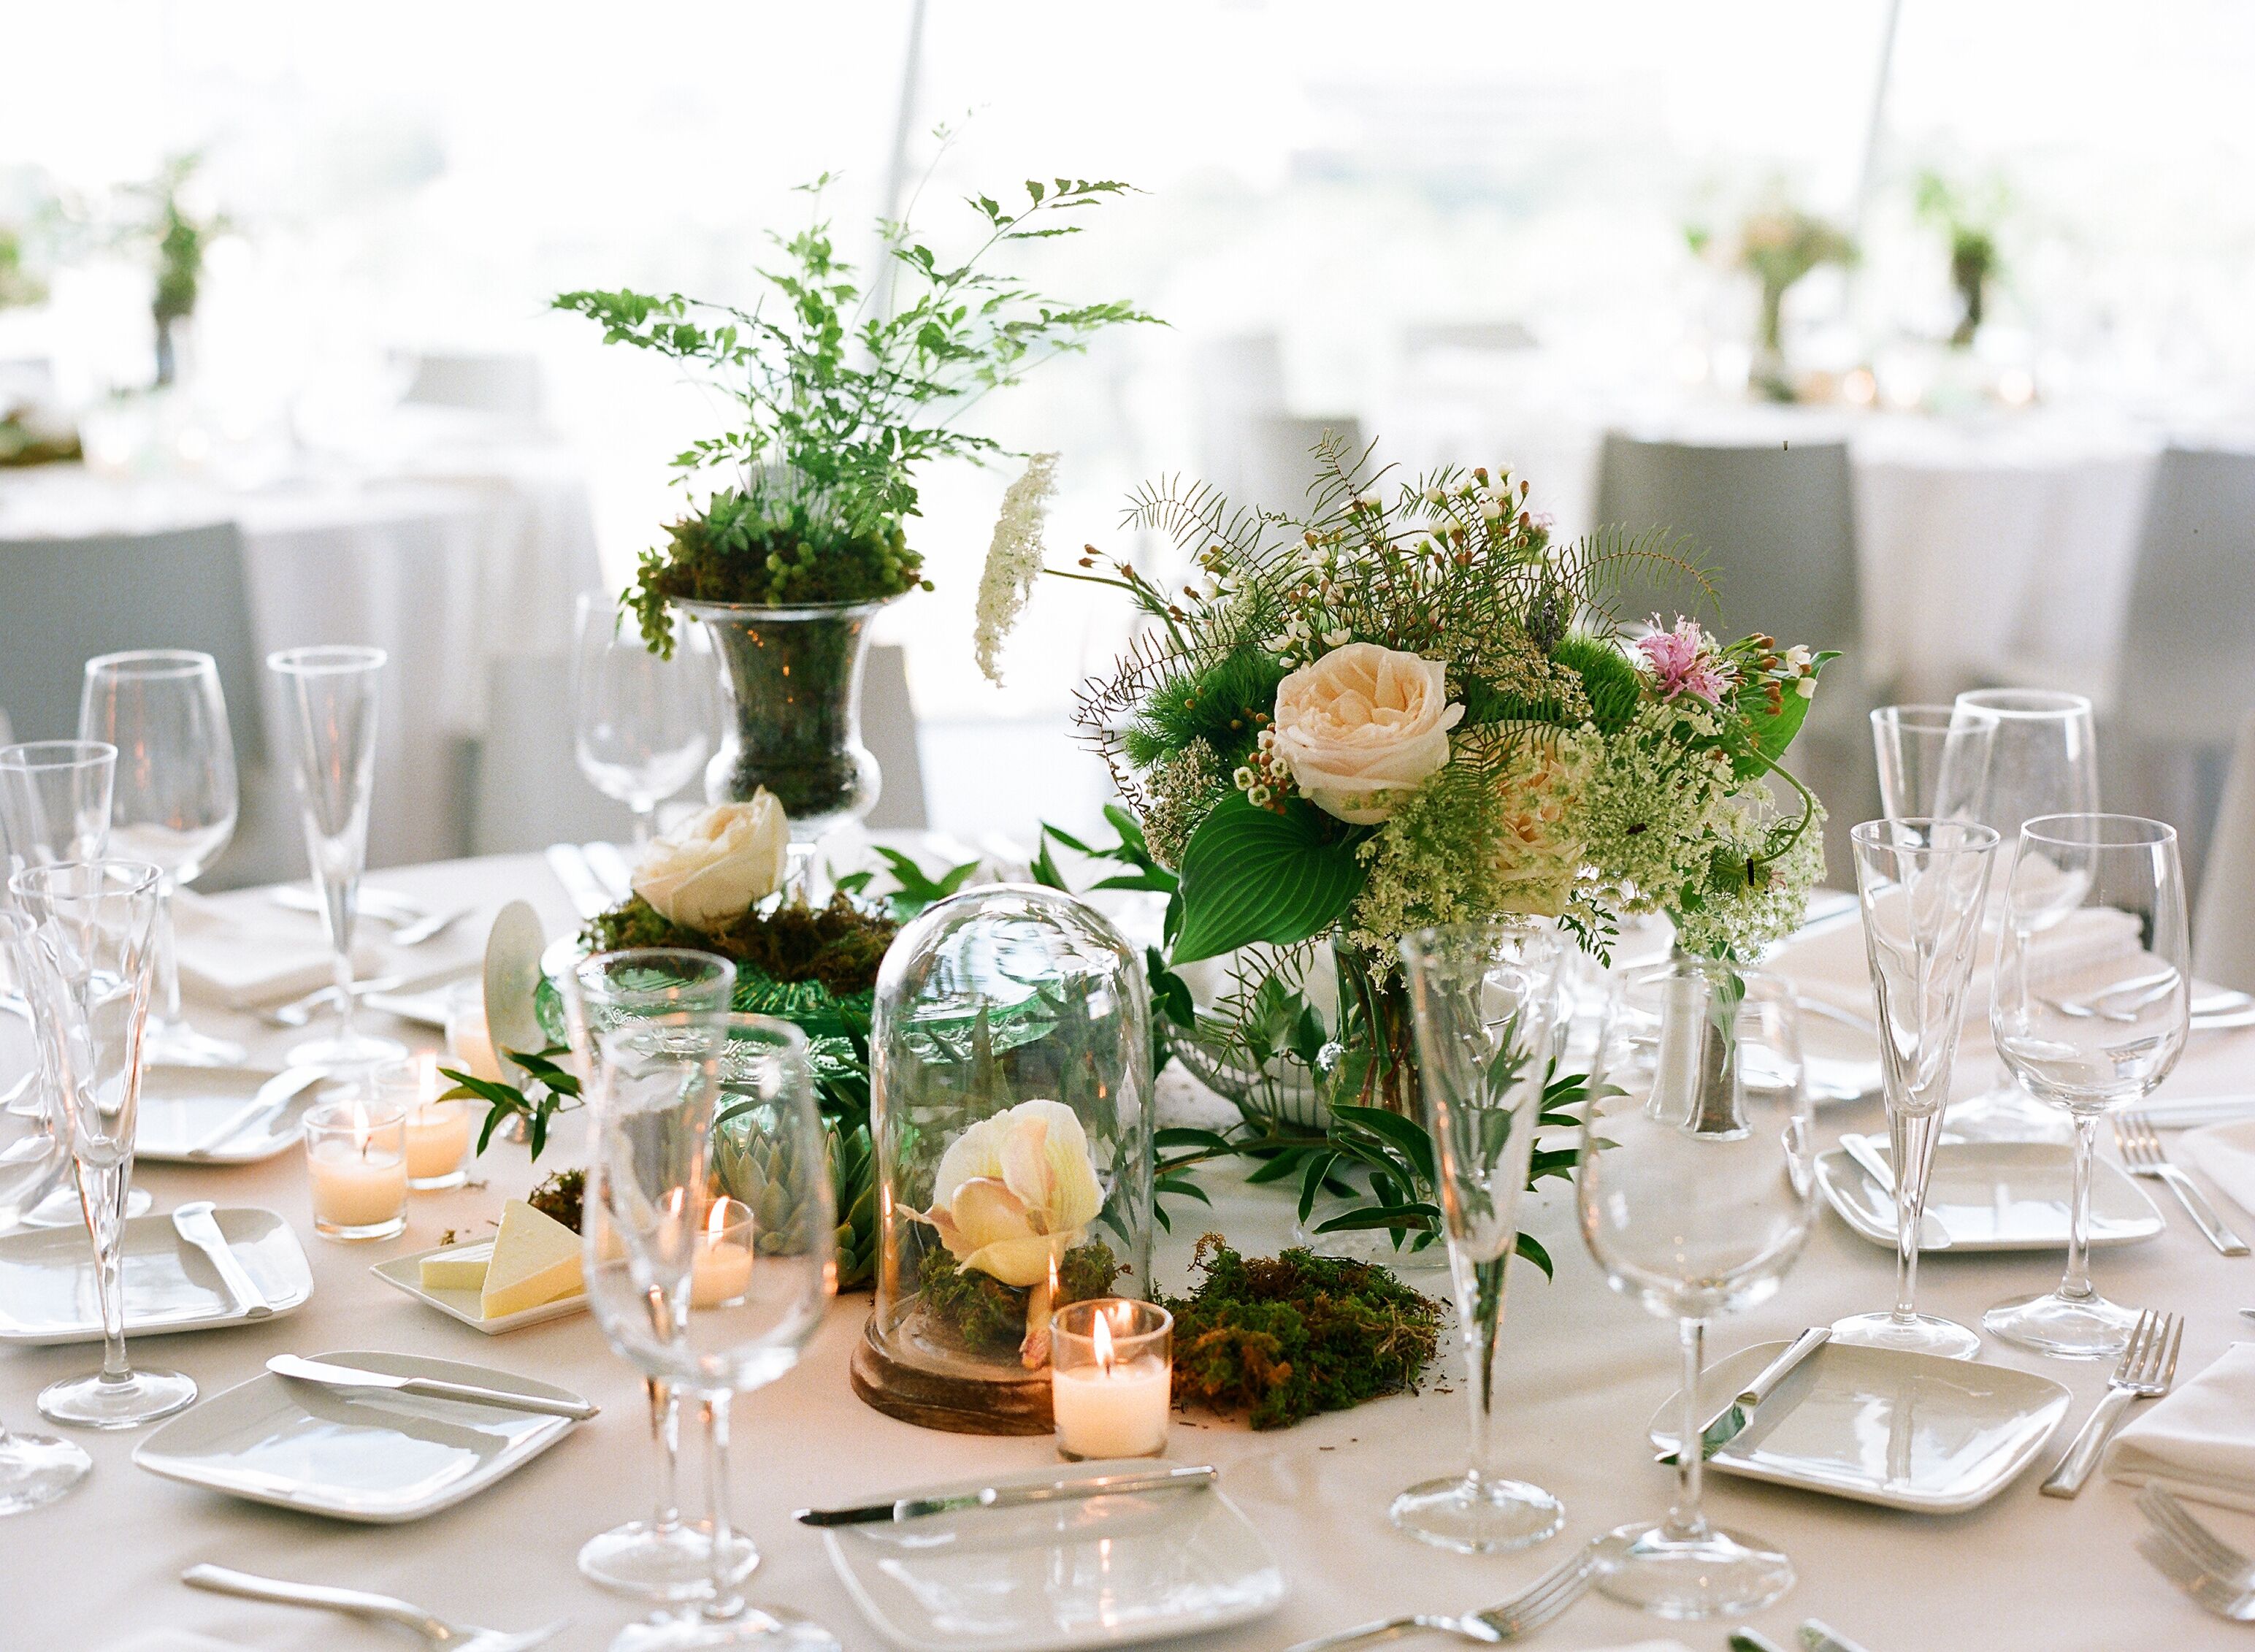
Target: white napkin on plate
2199,1439
1833,961
2225,1154
236,954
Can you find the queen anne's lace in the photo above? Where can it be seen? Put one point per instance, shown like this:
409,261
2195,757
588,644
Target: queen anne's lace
1013,559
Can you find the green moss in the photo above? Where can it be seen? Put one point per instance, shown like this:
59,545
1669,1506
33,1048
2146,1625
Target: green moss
562,1197
1280,1338
989,1317
838,947
1611,681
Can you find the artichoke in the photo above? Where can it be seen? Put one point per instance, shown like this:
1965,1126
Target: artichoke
753,1166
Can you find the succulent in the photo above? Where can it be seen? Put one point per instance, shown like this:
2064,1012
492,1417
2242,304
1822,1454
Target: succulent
752,1166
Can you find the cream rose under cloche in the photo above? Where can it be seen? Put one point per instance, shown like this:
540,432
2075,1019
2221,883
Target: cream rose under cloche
718,863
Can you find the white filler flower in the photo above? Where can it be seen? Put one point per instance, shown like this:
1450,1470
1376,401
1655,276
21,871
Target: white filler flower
1013,559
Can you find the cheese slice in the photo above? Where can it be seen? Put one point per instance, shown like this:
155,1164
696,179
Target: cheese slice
536,1260
457,1267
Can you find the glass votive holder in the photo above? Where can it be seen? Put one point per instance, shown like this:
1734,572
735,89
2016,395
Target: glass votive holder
469,1042
1112,1376
438,1132
356,1154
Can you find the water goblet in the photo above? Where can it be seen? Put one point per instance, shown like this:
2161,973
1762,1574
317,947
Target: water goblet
1934,761
329,699
642,725
663,1558
1924,886
174,803
89,960
1696,1190
2043,760
1483,997
2086,1026
691,1287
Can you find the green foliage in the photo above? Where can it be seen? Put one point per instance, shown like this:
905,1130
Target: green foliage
1282,1338
1255,874
562,1198
838,947
839,400
1213,703
918,888
1607,677
989,1317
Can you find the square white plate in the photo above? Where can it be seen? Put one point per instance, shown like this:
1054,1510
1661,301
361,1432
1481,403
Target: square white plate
1109,1571
1995,1196
371,1455
405,1273
48,1286
1907,1430
181,1105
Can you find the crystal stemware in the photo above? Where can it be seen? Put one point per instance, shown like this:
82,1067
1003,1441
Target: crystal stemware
2092,1009
1482,996
1696,1190
663,1558
1924,886
329,699
693,1288
643,725
1934,761
174,802
90,960
2043,760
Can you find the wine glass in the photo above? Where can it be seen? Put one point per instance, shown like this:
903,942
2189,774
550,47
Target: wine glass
696,1288
329,699
1924,885
663,1558
2092,1009
89,960
1696,1190
174,802
2043,760
1934,761
643,724
1483,997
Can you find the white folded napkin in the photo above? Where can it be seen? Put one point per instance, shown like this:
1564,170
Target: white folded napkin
2181,1113
1833,961
2199,1439
239,955
2225,1154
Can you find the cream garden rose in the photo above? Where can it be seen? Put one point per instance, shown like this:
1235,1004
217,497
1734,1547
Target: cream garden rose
717,864
1014,1193
1364,726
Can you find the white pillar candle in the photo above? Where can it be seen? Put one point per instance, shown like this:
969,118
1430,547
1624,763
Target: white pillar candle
1111,1407
437,1140
352,1189
470,1041
721,1268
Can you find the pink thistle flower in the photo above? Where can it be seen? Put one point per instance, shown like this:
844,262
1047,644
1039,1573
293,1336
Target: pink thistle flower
1684,661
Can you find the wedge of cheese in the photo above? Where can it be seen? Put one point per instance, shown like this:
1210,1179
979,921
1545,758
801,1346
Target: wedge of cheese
459,1268
536,1260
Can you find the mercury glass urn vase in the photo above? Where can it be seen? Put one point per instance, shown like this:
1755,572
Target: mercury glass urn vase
1011,1098
795,725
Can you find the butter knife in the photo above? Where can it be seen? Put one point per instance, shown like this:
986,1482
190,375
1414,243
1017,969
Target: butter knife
1748,1641
1932,1235
569,863
348,1376
273,1095
195,1223
1815,1637
1056,1491
1730,1421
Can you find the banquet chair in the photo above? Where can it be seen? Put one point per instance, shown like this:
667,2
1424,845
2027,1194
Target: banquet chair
507,387
1278,459
889,729
1235,380
1774,527
2224,921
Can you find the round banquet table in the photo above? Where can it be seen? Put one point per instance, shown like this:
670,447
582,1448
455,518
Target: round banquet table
1581,1372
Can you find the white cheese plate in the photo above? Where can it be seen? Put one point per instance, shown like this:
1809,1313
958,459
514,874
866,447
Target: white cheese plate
405,1273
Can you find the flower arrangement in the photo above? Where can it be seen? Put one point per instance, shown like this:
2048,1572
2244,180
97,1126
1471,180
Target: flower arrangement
1777,245
1967,217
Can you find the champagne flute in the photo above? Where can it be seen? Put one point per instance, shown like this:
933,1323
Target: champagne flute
174,802
692,1286
1696,1190
2044,760
664,1557
1483,997
1934,761
329,699
2086,1026
643,725
1924,886
89,962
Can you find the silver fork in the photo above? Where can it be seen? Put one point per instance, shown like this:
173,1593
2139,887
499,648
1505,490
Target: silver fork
2148,1365
2173,1560
1528,1610
2217,1558
2142,1155
435,1630
299,1012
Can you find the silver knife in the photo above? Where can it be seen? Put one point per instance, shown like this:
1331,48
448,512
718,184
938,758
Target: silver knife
1815,1637
273,1095
1730,1420
569,863
347,1376
1748,1641
1014,1496
1932,1235
195,1223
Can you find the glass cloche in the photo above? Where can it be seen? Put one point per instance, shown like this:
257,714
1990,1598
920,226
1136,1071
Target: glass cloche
1011,1103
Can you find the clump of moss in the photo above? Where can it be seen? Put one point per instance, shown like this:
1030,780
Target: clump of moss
838,945
1282,1338
562,1197
989,1317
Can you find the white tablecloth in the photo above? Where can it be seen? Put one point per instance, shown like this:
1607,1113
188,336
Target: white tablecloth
1582,1371
449,565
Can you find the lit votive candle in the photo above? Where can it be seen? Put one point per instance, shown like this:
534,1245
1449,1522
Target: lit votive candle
469,1042
1111,1377
722,1269
357,1153
438,1132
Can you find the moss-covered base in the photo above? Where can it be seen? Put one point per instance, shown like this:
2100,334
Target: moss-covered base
986,1316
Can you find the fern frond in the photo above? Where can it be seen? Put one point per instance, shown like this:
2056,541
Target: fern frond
1602,565
1193,517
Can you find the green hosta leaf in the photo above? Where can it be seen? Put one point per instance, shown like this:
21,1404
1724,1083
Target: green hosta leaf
1774,731
1249,874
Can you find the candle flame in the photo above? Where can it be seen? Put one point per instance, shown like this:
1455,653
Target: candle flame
1100,1333
360,1128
